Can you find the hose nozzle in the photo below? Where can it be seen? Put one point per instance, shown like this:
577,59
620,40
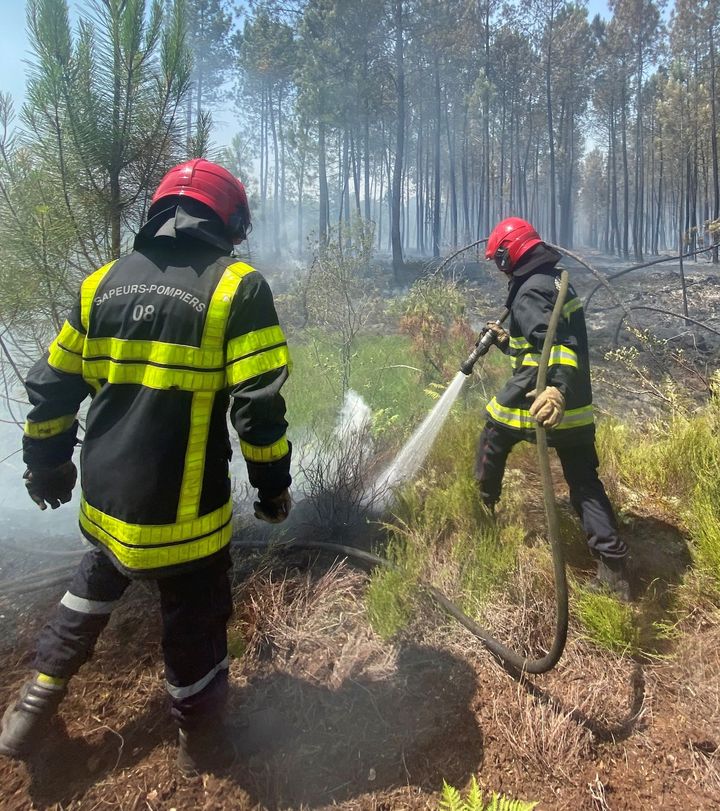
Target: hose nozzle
485,340
482,346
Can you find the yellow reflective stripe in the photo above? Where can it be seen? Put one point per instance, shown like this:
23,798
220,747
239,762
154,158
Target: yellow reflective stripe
521,418
571,306
87,292
219,309
559,356
48,428
123,349
247,368
193,472
71,339
254,341
212,344
520,343
139,546
265,453
153,377
576,417
63,359
55,681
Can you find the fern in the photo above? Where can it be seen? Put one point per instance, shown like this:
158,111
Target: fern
452,800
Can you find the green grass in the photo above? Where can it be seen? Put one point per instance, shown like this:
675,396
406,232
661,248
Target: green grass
381,372
607,622
676,464
385,371
441,534
703,517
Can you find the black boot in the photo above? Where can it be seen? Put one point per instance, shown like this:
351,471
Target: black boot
612,577
26,720
207,747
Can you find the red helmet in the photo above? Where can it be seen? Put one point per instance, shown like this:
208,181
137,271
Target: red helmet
509,241
212,185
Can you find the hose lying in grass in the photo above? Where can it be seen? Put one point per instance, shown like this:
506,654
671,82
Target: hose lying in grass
506,656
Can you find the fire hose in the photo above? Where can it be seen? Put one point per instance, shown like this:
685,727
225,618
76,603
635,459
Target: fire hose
502,653
505,655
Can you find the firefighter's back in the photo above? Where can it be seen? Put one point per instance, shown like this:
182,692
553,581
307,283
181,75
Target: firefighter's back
156,449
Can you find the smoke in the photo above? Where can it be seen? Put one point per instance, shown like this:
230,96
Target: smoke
355,418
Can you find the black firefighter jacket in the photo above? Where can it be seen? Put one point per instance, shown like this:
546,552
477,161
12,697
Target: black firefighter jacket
531,300
163,340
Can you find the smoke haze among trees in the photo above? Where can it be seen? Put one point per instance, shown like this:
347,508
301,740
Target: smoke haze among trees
431,119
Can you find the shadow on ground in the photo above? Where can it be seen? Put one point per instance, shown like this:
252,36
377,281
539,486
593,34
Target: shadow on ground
300,743
659,551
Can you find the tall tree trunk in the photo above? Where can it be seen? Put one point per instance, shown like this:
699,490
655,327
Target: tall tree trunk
714,141
436,165
397,256
551,136
322,179
276,178
626,174
639,170
453,189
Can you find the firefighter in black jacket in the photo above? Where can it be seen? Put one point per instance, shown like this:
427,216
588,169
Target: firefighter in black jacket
163,340
566,404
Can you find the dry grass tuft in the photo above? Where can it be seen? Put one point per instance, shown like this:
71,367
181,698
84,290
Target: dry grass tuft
546,739
313,625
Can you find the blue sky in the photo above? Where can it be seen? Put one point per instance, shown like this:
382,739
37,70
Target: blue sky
14,52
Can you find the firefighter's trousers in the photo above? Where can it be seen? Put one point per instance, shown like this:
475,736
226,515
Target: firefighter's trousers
579,464
195,608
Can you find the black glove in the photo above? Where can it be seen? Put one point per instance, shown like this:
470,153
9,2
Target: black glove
54,485
273,510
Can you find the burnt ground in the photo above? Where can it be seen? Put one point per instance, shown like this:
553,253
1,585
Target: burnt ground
329,715
326,714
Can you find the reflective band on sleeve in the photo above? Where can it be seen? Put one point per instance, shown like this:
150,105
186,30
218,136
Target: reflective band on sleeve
265,453
254,341
70,339
519,343
63,359
54,681
87,292
199,685
571,306
247,368
141,547
48,428
83,606
521,418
